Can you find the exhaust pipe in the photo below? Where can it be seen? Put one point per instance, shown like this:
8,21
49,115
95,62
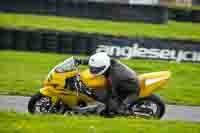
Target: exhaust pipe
90,108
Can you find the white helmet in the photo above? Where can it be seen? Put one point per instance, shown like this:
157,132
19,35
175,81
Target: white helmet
99,63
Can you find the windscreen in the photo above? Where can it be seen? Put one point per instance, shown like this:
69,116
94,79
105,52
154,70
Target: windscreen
66,66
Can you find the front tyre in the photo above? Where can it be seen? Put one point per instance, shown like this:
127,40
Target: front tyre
149,107
39,104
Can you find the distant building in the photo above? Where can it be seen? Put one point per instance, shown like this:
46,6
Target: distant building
152,2
196,2
112,1
143,2
186,2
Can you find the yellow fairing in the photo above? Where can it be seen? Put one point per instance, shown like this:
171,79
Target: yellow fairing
58,79
54,86
151,81
70,98
93,82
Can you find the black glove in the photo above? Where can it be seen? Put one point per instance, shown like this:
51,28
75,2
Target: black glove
89,92
81,61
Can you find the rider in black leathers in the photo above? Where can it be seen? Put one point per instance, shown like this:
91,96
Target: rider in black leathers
123,85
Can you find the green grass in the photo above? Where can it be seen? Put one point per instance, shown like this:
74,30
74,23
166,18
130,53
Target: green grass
171,30
26,123
22,73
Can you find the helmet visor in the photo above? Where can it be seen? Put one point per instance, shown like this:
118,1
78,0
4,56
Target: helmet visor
96,70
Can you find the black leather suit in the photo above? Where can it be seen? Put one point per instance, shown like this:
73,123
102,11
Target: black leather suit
123,84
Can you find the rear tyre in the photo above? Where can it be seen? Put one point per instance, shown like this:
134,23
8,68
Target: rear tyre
149,107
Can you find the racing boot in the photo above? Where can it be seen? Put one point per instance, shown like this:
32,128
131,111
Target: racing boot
124,108
110,108
130,99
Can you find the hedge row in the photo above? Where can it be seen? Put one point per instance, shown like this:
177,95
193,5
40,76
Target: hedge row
184,14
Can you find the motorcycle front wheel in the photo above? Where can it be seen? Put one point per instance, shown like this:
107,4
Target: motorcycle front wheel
151,107
40,104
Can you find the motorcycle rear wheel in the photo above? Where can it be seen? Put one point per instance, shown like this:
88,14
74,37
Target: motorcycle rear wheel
151,107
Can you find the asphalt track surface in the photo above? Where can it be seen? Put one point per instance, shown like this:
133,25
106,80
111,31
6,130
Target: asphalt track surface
173,112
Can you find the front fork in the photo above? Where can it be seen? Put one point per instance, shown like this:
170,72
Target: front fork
51,93
57,107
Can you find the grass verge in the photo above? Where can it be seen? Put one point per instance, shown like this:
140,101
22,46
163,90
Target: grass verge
22,74
26,123
173,30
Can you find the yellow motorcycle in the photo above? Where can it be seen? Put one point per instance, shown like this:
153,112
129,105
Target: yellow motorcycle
68,91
